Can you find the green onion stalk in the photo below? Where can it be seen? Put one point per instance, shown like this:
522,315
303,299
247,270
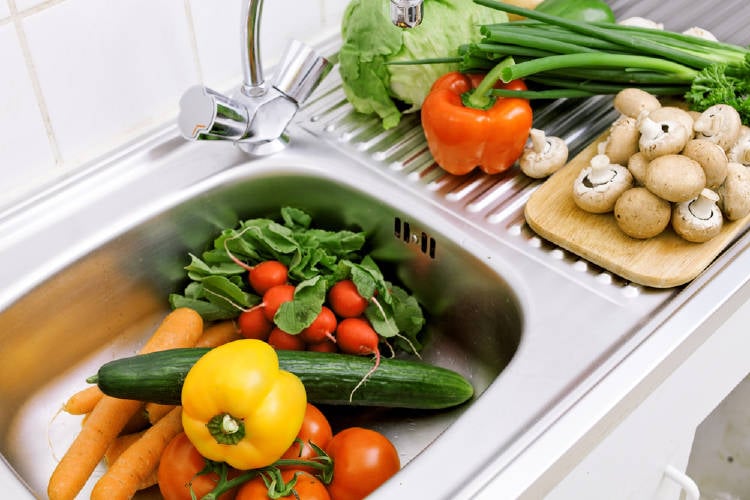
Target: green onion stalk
565,58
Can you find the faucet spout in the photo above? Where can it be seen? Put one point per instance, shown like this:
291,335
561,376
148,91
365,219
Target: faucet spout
406,13
253,83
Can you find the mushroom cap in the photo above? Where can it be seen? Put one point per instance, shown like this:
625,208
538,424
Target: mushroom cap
601,198
664,136
734,193
622,142
637,164
641,214
740,150
543,156
711,158
673,113
675,178
632,101
719,123
695,228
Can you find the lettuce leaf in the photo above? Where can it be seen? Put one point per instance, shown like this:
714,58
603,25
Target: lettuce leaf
371,41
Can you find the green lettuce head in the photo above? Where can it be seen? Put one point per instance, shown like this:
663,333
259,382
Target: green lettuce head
370,40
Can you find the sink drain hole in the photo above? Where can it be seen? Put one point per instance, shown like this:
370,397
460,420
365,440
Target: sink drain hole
404,232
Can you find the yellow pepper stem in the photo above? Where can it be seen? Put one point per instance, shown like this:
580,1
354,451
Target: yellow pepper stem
226,429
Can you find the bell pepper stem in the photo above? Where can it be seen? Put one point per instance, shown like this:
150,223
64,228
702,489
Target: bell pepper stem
226,429
481,97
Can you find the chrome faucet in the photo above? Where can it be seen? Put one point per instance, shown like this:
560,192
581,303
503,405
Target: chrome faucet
257,116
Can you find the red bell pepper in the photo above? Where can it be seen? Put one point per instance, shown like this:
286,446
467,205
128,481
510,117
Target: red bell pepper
466,127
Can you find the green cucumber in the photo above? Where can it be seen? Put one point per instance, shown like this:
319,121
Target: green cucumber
329,378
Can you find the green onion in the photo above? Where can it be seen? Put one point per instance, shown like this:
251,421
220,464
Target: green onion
561,57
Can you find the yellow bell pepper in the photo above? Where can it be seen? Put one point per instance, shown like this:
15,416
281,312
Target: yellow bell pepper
239,407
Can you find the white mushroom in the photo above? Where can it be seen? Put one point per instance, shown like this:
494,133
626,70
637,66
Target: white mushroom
721,124
622,142
641,214
700,33
675,178
544,155
661,136
711,157
734,193
698,220
598,186
740,150
673,113
641,22
632,101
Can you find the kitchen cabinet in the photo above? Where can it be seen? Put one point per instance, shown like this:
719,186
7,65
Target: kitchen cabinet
631,459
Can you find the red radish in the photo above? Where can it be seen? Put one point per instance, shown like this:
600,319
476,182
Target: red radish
345,300
357,336
279,339
253,324
321,328
267,274
325,346
274,297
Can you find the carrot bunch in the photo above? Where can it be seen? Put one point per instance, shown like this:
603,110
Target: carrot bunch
132,458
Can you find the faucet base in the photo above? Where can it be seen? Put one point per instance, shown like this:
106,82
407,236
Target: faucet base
264,148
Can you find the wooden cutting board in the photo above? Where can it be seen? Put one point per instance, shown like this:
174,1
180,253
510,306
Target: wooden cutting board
664,261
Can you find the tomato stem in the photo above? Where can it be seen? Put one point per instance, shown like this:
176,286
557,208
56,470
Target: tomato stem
321,462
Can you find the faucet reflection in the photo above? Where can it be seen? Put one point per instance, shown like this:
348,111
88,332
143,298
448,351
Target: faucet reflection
406,13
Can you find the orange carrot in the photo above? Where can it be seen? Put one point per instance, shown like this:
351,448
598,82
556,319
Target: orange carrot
181,328
213,336
218,334
118,447
138,461
156,411
83,401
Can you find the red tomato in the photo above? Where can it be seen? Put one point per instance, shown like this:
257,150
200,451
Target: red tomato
316,429
363,459
307,487
178,471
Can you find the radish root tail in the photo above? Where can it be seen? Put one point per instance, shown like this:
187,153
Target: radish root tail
376,353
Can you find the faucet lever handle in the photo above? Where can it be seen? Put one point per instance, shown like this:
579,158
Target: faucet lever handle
208,115
300,71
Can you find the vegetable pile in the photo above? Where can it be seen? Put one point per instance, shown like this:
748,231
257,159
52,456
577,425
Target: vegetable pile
284,281
244,429
661,164
218,403
564,57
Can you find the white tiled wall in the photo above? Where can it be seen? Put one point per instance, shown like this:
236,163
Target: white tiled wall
82,77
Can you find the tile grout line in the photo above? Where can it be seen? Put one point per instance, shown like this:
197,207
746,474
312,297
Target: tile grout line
193,40
16,19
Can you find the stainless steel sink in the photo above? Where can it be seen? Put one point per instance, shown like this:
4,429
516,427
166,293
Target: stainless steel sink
88,267
94,262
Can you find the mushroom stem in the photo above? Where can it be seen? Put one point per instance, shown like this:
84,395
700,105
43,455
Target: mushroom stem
600,171
539,140
702,206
